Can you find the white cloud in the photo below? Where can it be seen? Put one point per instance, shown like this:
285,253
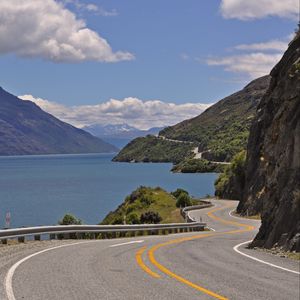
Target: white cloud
255,9
274,45
256,59
254,64
91,7
47,30
133,111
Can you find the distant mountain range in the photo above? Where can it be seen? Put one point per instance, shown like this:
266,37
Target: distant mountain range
26,129
119,134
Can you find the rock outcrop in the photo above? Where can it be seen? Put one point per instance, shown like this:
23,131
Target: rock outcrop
272,182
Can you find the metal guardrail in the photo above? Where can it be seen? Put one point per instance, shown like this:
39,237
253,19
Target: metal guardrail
185,211
79,231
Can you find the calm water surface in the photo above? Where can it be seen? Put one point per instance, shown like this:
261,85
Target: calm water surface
39,190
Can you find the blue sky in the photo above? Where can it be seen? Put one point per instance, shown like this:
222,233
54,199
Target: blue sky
173,51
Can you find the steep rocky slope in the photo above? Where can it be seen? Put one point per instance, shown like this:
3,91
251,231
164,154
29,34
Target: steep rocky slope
272,175
220,132
26,129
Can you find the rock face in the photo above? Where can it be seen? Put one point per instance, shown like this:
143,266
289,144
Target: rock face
26,129
272,184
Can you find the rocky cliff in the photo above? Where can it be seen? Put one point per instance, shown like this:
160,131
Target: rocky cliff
272,175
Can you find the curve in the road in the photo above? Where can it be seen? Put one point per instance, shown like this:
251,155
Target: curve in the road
9,276
179,278
163,269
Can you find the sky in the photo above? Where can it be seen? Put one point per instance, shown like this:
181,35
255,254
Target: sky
144,63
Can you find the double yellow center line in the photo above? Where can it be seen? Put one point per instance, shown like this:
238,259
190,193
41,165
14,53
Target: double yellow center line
177,277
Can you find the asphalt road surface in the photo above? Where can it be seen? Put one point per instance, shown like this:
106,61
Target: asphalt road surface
198,265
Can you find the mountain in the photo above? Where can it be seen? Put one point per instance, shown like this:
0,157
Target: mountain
27,129
272,173
219,132
119,134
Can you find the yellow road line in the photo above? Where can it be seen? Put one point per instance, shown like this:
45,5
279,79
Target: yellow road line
210,214
177,277
140,262
180,240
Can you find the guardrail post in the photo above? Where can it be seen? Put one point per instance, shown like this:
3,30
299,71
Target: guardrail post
21,239
37,237
51,236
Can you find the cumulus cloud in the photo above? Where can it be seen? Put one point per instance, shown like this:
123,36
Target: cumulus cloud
133,111
274,45
255,9
253,64
256,59
47,30
91,7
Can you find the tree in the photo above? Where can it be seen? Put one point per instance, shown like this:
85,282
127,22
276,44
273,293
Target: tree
183,200
133,219
150,217
69,219
178,192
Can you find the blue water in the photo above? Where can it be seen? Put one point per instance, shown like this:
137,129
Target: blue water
39,190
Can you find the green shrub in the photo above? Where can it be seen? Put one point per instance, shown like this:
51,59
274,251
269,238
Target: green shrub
132,219
183,200
178,192
232,180
150,217
69,219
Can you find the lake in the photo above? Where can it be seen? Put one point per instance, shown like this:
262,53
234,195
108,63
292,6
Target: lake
39,190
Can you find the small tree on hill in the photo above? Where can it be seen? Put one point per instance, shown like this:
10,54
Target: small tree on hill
133,219
69,219
178,192
183,200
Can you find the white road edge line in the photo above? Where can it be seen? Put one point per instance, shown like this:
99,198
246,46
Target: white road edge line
211,228
241,218
9,276
127,243
235,248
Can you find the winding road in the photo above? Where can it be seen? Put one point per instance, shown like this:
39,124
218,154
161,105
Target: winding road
198,265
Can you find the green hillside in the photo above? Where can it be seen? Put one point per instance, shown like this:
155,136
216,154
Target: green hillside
223,129
144,200
219,133
153,149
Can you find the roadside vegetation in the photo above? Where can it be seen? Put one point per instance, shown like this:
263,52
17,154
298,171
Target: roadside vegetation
153,149
70,219
193,165
150,205
230,183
